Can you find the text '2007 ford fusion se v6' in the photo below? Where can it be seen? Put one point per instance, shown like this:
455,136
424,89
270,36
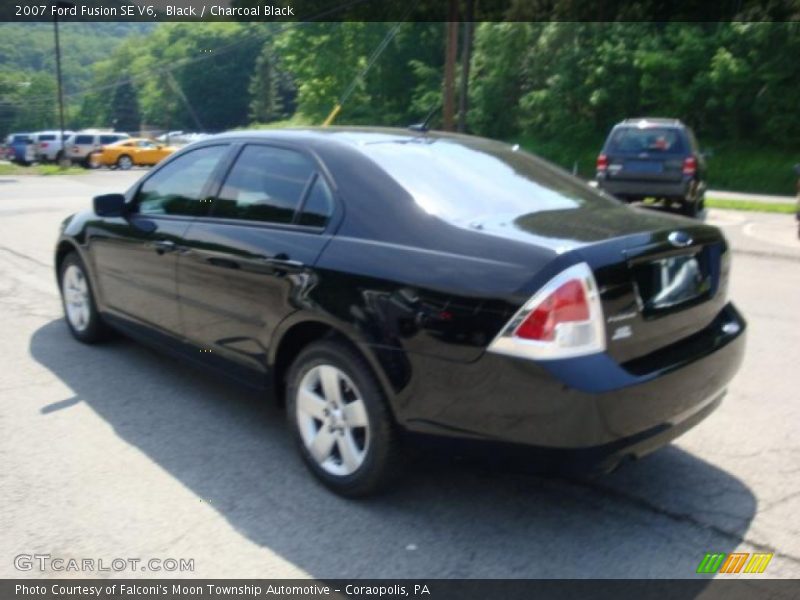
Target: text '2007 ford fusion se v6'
384,281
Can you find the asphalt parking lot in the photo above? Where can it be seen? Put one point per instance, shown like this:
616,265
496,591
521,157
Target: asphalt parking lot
116,451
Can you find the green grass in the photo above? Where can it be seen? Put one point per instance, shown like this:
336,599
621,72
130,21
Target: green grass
768,207
12,169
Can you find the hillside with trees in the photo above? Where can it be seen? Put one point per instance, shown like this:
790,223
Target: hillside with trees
556,87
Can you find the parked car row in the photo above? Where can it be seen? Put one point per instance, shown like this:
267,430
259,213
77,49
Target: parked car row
90,148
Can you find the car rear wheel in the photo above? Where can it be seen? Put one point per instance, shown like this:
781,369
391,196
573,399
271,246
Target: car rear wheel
340,420
692,203
80,309
124,162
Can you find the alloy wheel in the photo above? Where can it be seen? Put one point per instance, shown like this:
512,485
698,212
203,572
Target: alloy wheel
76,297
332,420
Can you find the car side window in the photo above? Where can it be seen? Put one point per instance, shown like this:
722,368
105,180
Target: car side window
109,139
177,188
318,207
84,139
265,184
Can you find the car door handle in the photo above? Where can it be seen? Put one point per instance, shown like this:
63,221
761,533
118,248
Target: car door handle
225,263
163,246
282,260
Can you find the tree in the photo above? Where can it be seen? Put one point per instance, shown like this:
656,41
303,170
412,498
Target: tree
271,89
124,109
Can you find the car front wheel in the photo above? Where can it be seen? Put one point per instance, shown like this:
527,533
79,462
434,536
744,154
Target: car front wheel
124,162
80,309
340,420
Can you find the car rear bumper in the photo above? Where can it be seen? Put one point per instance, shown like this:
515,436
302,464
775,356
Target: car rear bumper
591,410
630,189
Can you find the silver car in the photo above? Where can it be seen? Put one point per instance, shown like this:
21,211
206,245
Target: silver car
47,145
79,146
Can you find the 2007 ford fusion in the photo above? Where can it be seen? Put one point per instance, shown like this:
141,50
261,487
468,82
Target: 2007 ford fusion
384,281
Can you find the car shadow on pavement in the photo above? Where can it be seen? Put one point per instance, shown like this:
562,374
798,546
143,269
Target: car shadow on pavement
446,518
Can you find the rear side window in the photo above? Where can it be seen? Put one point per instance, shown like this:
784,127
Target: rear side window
84,139
109,139
265,184
634,140
318,207
478,183
177,188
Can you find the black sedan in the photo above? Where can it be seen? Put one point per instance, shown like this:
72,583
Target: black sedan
384,281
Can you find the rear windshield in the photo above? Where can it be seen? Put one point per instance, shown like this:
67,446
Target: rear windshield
47,137
634,140
482,182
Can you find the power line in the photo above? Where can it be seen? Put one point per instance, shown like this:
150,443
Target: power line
371,61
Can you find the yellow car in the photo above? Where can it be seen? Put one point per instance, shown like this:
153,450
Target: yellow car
131,152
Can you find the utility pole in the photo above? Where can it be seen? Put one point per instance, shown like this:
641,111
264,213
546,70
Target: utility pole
59,5
466,57
448,104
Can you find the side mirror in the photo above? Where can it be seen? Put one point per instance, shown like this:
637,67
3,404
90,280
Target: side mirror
109,205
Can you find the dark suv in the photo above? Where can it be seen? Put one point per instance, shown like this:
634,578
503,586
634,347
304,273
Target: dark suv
656,158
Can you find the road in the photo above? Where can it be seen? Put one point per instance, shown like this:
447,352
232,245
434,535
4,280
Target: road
115,451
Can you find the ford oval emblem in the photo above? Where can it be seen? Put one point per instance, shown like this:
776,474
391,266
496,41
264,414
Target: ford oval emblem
679,239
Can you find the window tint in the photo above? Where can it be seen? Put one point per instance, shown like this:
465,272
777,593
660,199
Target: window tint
648,139
319,205
84,139
265,184
176,189
477,183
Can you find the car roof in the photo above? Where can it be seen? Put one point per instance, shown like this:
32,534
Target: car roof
651,122
358,138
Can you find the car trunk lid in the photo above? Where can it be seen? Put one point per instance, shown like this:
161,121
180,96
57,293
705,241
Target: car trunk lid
662,289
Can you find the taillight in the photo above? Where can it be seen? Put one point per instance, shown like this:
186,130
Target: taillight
690,165
44,144
563,320
602,162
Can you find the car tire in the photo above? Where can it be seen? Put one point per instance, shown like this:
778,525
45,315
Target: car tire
343,427
124,162
690,203
77,299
